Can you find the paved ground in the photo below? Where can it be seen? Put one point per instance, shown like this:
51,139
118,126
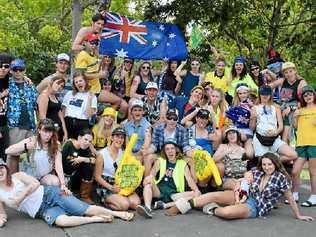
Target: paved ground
279,223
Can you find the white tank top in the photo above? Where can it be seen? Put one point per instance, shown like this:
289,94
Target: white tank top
266,119
30,205
108,164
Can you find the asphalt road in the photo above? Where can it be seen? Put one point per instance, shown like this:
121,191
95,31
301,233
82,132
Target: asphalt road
194,224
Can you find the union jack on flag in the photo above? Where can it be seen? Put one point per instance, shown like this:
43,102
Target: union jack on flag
125,28
126,37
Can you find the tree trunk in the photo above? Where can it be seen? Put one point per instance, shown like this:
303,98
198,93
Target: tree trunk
77,11
275,22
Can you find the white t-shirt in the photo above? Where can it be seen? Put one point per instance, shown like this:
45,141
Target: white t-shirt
266,119
30,205
76,105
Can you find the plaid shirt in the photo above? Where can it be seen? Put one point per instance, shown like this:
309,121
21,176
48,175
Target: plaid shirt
181,137
273,191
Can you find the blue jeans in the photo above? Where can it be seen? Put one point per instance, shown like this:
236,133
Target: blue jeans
252,205
55,204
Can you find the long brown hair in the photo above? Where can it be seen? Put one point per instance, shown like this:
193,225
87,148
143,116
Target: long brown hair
179,155
53,144
9,176
74,88
276,161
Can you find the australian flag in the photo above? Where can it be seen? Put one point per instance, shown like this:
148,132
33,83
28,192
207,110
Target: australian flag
128,38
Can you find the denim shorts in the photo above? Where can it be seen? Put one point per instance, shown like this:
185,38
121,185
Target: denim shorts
55,204
252,205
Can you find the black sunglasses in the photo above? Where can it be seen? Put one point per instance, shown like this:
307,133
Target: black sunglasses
5,65
174,118
254,68
18,69
94,42
145,67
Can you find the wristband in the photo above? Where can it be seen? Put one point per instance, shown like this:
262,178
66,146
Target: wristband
25,147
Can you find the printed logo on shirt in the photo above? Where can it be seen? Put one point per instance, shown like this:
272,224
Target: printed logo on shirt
76,102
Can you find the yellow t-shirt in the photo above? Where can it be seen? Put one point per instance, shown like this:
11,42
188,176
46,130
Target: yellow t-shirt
306,129
218,82
99,141
247,80
89,64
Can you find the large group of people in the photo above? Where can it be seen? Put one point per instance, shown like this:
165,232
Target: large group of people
74,130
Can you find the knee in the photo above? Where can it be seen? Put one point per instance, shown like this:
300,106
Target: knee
124,204
62,221
134,203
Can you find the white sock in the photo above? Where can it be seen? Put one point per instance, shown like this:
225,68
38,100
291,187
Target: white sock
295,196
312,198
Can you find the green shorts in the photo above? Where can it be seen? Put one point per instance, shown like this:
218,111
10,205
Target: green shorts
306,151
286,121
165,192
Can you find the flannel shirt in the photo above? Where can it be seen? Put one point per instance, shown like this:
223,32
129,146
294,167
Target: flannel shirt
181,137
272,192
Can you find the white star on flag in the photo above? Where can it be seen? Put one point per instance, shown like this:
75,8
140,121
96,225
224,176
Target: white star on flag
155,43
172,35
168,44
121,53
161,27
165,59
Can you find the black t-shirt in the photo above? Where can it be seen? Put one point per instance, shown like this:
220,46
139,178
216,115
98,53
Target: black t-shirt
69,152
24,120
168,179
4,84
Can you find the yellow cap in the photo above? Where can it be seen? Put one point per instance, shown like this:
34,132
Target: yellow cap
109,111
288,65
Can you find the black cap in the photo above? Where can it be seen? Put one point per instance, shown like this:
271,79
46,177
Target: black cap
171,112
265,90
119,131
203,113
48,124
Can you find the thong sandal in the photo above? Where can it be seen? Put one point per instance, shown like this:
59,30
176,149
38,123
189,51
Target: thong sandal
128,216
308,204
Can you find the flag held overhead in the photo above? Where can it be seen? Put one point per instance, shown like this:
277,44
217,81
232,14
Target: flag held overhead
125,37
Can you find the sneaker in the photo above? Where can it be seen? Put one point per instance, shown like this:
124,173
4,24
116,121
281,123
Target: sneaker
208,209
144,211
159,205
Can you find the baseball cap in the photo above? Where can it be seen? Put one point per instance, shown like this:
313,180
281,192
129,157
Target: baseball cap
171,141
63,56
242,86
2,162
91,37
307,88
17,63
119,131
152,85
231,128
240,59
137,103
171,112
203,114
48,124
288,65
265,90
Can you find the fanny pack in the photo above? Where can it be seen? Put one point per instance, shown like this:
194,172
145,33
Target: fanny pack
266,141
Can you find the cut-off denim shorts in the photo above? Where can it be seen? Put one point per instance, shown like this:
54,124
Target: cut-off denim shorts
55,203
252,205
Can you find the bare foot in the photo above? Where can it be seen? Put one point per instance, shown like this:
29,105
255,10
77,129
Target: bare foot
126,216
105,218
172,211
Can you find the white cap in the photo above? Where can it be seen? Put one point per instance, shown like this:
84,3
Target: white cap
137,103
63,56
152,85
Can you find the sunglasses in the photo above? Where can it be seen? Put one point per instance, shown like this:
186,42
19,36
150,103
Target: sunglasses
174,118
94,42
5,65
254,68
130,62
145,67
18,69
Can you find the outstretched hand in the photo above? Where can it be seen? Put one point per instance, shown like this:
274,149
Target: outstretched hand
305,218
